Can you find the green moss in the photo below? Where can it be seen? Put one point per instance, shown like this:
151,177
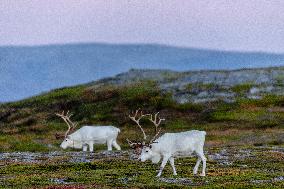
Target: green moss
189,87
67,93
139,92
177,124
208,86
279,81
145,94
266,101
170,77
271,100
23,143
190,107
242,89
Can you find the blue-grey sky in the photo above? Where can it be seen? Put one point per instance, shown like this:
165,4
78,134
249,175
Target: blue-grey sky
243,25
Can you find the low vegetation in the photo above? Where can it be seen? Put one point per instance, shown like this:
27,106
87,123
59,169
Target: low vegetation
242,89
34,121
228,167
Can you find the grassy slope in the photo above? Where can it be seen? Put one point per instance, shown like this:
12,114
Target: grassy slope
30,125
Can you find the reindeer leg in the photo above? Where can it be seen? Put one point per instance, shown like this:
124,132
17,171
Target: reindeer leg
114,143
196,166
172,162
203,158
109,145
91,146
85,148
164,162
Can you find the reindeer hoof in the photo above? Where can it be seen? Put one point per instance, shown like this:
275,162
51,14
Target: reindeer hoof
202,174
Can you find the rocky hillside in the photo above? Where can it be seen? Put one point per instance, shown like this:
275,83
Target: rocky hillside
26,71
203,86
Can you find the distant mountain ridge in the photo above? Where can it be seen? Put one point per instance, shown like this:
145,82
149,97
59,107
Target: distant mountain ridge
26,71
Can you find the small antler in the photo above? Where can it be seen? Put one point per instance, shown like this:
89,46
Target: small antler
130,142
136,118
137,146
66,118
156,120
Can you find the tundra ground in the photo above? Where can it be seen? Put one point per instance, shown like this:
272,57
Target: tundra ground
238,167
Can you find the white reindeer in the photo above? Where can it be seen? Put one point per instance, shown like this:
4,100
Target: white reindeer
170,145
88,135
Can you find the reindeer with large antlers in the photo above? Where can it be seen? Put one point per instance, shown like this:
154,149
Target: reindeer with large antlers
169,145
88,135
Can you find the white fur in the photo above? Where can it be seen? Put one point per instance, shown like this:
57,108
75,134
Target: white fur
90,135
171,145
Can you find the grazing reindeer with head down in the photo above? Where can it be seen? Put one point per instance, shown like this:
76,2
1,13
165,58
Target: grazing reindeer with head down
88,135
169,145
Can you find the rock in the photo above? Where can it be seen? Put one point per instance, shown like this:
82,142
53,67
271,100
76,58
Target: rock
278,179
184,181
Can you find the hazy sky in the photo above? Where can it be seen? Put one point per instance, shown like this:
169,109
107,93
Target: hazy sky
247,25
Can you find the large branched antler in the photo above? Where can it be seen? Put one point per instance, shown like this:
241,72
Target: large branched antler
156,120
66,118
136,118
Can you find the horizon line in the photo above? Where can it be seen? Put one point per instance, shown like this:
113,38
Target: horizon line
141,44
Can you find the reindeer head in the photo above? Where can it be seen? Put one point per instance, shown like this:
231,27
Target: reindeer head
154,118
71,125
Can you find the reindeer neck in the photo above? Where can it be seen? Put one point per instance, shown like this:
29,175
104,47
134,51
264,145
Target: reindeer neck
156,157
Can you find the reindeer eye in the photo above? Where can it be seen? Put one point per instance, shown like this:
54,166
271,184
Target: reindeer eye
147,151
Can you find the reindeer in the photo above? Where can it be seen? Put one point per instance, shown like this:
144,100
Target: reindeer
88,135
169,145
